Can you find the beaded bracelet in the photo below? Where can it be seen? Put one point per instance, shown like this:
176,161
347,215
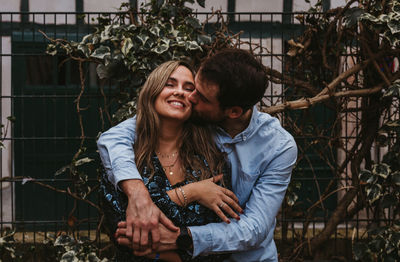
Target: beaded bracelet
176,192
184,196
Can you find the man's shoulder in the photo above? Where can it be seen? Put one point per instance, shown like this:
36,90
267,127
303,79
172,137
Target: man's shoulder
267,126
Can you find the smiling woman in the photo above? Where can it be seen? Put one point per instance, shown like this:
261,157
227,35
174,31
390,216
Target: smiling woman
172,102
176,158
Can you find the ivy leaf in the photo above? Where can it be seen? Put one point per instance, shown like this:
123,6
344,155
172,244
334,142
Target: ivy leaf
194,22
192,45
69,256
396,178
51,49
61,170
84,49
360,250
367,177
382,170
83,161
393,90
376,245
102,71
143,38
126,46
201,3
374,192
352,15
394,26
204,39
155,30
101,52
160,49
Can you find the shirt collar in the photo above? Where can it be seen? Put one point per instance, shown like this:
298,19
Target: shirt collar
225,138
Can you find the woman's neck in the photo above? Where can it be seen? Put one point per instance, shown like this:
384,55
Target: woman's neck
170,133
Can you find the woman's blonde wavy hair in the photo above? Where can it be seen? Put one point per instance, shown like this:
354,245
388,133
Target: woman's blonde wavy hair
195,139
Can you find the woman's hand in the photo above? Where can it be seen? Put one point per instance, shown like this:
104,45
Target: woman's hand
214,197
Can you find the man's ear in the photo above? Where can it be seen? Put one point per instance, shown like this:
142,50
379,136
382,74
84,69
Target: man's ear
234,112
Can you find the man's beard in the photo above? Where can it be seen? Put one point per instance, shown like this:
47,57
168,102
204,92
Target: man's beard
197,119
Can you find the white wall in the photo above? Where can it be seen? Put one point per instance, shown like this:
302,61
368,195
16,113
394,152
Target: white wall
6,163
10,6
52,6
258,6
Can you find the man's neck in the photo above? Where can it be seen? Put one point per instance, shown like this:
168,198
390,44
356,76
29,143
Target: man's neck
237,125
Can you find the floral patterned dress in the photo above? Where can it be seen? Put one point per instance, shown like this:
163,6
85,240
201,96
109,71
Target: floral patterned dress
114,203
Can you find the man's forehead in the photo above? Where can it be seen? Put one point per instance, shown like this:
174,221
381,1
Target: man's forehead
206,88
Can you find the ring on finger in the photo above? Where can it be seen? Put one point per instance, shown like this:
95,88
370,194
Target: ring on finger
221,205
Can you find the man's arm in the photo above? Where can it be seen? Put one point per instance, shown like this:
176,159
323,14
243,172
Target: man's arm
116,152
142,215
259,214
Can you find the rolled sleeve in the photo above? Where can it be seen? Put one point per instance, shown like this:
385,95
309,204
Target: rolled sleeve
116,152
255,225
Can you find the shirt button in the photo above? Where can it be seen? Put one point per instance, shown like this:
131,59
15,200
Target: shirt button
244,138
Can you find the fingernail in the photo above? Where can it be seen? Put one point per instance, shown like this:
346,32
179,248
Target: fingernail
228,221
238,218
242,212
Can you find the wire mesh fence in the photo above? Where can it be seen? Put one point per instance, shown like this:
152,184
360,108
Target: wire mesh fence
40,91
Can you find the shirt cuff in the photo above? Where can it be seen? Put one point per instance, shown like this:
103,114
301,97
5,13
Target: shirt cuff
124,172
202,239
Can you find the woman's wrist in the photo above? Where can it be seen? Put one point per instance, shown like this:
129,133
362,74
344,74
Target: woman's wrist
190,192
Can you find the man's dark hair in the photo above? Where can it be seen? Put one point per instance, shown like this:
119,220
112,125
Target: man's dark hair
241,78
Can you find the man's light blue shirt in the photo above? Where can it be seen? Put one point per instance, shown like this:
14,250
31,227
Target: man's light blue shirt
261,159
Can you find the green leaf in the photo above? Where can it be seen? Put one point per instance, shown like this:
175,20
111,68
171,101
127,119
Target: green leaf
367,177
11,118
201,3
160,49
352,15
61,170
51,49
155,30
360,250
84,49
102,71
374,192
143,38
83,161
394,26
204,39
382,170
376,245
126,46
393,90
101,52
194,22
192,45
396,178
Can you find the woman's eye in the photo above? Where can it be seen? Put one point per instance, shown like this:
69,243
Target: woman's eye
169,84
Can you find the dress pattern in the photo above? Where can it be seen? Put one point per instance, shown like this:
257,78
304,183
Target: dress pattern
114,203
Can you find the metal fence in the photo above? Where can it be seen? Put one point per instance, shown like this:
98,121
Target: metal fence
40,90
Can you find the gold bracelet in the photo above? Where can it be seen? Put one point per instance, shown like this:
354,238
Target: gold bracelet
176,192
184,196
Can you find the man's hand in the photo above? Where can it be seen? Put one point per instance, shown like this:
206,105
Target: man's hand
167,240
143,216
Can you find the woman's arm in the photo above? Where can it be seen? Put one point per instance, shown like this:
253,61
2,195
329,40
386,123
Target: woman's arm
210,195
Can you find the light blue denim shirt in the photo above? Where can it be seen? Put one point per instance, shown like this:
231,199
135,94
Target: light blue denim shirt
261,158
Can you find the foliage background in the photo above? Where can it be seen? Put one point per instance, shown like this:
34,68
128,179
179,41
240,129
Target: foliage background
343,57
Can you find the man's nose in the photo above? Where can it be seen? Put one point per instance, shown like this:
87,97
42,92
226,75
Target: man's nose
193,97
